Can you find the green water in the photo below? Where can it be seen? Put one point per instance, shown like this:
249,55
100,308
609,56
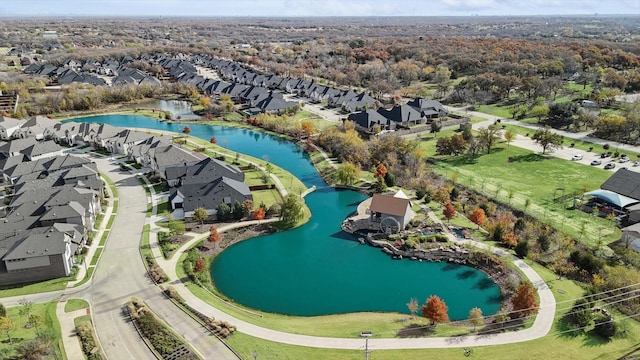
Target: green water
317,269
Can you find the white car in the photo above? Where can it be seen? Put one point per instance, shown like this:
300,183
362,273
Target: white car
624,159
577,157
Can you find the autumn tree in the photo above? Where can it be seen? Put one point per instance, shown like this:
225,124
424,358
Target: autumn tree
449,211
214,235
186,130
548,139
200,265
347,173
442,195
435,310
204,101
524,301
413,306
539,112
200,214
213,140
308,127
259,213
381,170
510,239
478,217
475,317
37,321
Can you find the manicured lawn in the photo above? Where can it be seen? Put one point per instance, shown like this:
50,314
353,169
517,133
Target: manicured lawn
268,197
43,286
21,335
162,208
96,256
75,304
256,177
531,176
103,240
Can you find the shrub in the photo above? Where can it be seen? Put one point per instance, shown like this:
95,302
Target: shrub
605,327
522,249
390,179
420,193
606,146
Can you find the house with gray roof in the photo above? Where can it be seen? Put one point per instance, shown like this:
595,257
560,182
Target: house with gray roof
428,108
201,172
8,126
34,127
367,120
402,115
208,195
35,257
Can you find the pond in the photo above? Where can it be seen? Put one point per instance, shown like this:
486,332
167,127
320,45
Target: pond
317,269
179,109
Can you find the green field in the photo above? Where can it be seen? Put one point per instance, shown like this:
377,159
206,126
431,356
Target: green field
542,180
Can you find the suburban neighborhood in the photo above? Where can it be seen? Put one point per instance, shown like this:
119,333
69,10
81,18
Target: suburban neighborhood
319,187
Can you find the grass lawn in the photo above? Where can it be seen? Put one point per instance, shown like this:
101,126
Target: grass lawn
75,304
531,176
21,335
256,177
96,256
162,208
43,286
268,197
87,277
103,240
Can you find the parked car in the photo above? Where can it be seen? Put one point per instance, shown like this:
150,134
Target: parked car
577,157
609,165
604,155
596,162
624,159
636,163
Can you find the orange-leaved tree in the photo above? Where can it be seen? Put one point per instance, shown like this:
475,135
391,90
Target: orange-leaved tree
478,217
381,170
213,140
524,301
435,310
449,211
214,235
186,130
259,213
510,239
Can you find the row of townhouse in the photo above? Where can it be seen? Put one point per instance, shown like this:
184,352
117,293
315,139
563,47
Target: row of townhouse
49,207
50,202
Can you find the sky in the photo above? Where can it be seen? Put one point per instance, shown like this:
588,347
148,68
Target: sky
280,8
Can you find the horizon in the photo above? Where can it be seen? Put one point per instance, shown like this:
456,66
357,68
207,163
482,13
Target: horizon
316,8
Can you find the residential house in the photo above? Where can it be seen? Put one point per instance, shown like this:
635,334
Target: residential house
208,195
402,115
8,126
428,108
367,120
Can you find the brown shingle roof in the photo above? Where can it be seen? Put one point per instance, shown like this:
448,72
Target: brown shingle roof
387,204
